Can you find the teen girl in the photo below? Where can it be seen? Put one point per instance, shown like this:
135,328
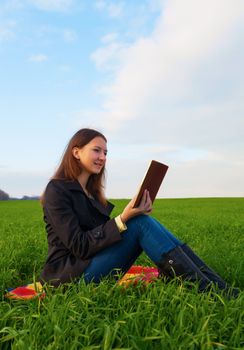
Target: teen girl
84,242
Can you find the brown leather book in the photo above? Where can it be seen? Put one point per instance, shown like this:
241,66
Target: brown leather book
152,181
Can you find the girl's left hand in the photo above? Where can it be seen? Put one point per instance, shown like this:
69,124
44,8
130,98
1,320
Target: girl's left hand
145,207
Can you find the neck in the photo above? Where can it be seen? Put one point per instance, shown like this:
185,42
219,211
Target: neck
83,179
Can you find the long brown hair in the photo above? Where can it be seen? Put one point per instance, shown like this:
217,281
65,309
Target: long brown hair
69,168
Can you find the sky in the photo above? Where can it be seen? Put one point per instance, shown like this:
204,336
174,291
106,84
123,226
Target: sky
162,79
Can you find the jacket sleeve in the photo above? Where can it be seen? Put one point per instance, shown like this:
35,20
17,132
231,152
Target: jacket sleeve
66,226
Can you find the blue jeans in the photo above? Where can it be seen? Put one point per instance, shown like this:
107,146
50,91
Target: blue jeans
143,233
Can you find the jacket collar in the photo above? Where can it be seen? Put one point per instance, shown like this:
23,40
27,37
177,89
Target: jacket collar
75,186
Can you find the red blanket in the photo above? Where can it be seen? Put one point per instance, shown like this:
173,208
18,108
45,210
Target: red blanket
134,275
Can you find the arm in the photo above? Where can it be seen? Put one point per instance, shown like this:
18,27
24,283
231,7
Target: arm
65,225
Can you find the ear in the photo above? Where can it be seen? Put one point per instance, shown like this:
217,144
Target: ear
75,152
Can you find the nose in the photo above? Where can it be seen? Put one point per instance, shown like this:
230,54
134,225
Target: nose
102,156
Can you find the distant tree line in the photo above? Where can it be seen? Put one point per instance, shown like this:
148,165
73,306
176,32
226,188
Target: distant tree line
5,196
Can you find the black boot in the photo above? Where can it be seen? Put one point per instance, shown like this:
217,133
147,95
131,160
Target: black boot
176,263
207,271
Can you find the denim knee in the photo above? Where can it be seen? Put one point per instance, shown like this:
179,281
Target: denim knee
145,223
140,219
141,224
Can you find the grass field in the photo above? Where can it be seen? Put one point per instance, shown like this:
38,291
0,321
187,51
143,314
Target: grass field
105,316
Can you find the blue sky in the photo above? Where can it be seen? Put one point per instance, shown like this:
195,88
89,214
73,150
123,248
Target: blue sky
162,79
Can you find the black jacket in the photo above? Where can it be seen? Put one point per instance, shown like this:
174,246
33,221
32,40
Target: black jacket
77,228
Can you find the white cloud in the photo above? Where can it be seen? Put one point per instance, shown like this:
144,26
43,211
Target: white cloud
182,85
38,58
189,51
109,56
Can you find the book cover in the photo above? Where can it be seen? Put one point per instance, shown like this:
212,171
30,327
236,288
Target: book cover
152,181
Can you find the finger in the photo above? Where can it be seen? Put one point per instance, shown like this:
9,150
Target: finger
148,208
148,199
147,212
148,203
143,200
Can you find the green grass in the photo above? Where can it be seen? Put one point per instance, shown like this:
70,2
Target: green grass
158,316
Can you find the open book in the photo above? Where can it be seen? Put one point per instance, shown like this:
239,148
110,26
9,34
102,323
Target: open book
152,181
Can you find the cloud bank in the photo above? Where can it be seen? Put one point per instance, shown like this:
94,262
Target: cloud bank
182,87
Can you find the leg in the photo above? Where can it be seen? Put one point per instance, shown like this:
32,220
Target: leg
211,274
203,267
165,250
177,264
153,237
113,260
168,254
143,233
183,262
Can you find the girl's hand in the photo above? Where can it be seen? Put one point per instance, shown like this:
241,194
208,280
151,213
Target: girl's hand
144,208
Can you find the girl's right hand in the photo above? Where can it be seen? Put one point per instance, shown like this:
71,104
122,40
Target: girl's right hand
144,208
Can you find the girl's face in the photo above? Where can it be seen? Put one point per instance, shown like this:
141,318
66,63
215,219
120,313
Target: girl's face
92,156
